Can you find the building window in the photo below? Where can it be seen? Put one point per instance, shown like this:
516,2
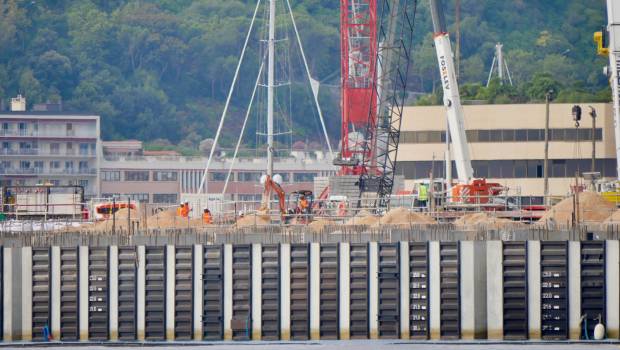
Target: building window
165,176
110,176
219,176
24,164
111,195
83,149
136,176
69,164
249,197
54,164
83,165
303,177
54,148
83,183
70,131
505,135
5,126
93,149
164,198
38,164
249,177
138,197
55,182
70,149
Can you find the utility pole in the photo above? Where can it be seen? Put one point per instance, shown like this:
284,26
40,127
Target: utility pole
593,115
548,97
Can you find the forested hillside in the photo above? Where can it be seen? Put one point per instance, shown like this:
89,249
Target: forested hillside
161,69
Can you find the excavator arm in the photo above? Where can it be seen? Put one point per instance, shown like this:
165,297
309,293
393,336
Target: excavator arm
270,186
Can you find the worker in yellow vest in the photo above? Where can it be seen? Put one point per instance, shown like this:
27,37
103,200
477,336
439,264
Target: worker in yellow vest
422,196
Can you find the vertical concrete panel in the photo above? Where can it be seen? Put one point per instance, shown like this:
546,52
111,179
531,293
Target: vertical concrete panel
7,299
285,291
170,290
434,290
574,289
113,292
83,292
404,290
228,301
344,291
495,304
55,292
141,293
197,285
480,288
533,289
257,298
612,274
26,272
315,291
373,290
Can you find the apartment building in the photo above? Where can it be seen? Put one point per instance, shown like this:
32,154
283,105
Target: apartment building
506,143
50,147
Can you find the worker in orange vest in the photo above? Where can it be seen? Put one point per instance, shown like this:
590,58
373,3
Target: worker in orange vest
206,217
303,204
180,209
186,210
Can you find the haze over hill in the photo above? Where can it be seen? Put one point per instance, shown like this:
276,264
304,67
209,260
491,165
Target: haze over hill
160,69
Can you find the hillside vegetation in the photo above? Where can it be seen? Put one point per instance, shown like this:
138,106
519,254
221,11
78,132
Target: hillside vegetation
159,70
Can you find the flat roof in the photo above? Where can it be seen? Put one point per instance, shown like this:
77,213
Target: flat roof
48,115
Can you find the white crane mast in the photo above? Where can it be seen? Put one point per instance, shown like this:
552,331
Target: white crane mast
451,97
613,17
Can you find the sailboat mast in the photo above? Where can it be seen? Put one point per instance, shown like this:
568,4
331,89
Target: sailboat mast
271,84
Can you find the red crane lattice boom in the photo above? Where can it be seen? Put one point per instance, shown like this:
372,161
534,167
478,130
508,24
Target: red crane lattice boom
358,35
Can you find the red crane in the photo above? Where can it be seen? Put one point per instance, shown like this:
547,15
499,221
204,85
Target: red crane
358,44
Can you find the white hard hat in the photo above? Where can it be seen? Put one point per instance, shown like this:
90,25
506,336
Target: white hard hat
277,178
205,208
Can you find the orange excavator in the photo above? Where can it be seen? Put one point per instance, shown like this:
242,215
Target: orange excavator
273,185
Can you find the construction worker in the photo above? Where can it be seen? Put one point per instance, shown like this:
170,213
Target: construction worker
303,204
186,210
422,195
180,209
206,217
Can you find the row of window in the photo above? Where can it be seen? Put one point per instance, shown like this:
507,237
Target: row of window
144,175
158,198
505,135
39,164
23,182
84,149
510,169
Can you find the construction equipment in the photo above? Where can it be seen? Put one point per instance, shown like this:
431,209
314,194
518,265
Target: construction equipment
43,201
358,45
451,97
389,89
272,185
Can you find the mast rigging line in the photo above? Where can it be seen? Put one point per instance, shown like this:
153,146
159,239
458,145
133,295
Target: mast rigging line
245,121
314,84
203,182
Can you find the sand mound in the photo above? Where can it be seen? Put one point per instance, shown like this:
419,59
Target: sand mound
402,216
614,218
319,225
484,219
592,208
362,218
124,213
255,219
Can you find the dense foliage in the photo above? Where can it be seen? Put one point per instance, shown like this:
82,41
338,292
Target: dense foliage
161,69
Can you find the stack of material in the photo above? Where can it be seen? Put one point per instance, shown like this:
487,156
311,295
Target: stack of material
593,208
362,218
320,224
404,217
485,220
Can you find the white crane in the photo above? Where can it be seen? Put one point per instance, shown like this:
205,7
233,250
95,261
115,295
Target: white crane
613,27
451,97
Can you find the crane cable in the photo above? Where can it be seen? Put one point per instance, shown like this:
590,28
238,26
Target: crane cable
203,182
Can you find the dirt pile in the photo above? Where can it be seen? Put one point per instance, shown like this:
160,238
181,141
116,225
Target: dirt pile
255,219
320,224
363,218
592,208
403,217
484,220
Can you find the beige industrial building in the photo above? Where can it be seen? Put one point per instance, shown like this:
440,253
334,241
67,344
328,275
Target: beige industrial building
506,143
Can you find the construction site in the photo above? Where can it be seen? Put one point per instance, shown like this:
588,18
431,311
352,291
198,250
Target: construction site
382,244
